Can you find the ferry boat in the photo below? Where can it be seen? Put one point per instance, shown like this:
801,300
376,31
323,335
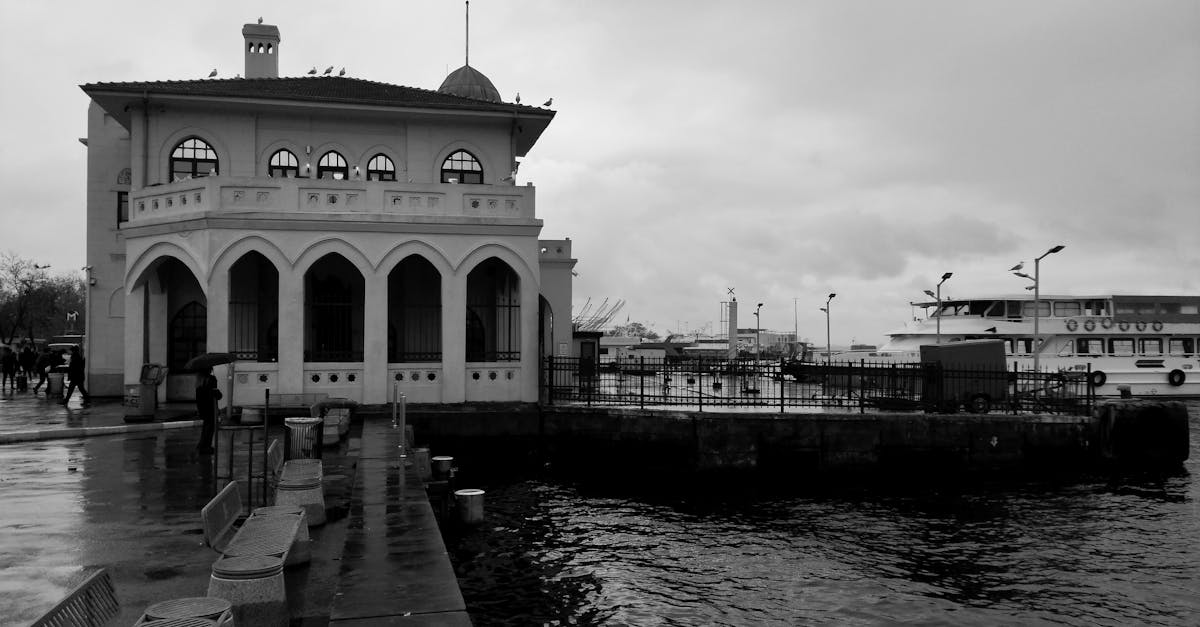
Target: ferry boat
1146,342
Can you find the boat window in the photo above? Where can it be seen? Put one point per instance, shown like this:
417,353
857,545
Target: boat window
1089,346
995,309
1014,308
1120,346
1124,308
980,307
1151,346
1024,345
1096,308
1070,308
1043,309
1182,346
1189,309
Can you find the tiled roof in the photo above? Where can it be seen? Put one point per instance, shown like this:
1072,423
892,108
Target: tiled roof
313,89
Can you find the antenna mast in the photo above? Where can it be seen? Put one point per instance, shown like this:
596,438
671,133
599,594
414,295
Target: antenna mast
468,44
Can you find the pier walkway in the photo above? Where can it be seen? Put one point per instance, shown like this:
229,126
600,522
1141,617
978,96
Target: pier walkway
130,502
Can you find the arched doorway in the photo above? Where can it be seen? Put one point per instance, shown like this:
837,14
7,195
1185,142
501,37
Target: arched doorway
254,308
414,312
333,311
493,317
174,321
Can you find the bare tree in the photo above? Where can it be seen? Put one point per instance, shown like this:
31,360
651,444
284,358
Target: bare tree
33,302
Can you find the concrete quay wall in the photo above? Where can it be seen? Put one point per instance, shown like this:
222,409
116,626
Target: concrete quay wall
1120,432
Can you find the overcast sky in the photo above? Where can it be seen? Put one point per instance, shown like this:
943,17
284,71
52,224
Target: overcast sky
787,149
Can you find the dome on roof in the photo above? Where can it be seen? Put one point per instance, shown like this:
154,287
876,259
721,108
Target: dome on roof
469,82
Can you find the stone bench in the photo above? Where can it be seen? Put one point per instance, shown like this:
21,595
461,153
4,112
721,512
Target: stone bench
270,531
281,405
93,602
300,485
249,573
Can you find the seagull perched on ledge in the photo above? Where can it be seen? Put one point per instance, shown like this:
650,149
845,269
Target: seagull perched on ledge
1020,264
518,97
342,72
313,70
212,73
548,102
329,70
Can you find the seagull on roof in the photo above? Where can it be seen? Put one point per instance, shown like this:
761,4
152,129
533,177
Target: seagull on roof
548,102
212,73
313,70
1020,264
518,97
260,20
329,70
342,72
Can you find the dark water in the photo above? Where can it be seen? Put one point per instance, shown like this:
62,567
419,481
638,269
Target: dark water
1100,550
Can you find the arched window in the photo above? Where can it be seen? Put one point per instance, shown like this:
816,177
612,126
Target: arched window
380,168
463,167
193,158
283,164
188,332
333,164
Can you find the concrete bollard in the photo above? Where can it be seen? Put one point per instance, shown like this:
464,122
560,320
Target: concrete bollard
441,466
422,464
470,506
1144,432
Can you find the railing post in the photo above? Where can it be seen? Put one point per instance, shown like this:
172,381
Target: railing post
700,383
642,382
550,379
779,378
862,408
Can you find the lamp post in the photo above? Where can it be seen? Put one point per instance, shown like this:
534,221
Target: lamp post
938,296
795,321
828,344
757,332
1037,300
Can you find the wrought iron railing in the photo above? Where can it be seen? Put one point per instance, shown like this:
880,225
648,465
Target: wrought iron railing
861,386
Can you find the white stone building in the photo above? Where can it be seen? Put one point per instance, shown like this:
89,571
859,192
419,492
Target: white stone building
339,235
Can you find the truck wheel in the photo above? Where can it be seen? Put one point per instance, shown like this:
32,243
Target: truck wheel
980,404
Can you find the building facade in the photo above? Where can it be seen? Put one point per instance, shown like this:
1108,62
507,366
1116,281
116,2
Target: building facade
337,235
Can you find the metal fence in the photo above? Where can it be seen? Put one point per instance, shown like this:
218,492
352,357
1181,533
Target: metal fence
861,386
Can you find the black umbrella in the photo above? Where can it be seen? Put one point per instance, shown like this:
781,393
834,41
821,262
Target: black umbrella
208,360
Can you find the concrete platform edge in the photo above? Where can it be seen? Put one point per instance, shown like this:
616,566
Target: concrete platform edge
87,432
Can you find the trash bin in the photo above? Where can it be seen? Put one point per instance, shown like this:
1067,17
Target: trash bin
147,397
54,385
304,437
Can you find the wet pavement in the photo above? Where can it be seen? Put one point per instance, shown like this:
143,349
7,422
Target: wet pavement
80,489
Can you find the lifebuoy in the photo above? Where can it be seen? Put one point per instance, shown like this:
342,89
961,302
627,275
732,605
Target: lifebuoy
1098,378
1176,377
1123,325
1072,324
1106,323
1140,324
1089,325
1156,325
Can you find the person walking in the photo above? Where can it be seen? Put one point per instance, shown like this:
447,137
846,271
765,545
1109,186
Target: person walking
27,359
8,369
75,372
41,367
207,396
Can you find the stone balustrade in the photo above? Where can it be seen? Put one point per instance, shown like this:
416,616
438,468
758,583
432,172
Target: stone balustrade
265,196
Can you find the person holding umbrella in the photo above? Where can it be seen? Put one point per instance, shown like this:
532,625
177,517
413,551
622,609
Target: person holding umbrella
207,396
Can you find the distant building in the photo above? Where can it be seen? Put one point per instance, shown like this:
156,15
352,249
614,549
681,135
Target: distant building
339,235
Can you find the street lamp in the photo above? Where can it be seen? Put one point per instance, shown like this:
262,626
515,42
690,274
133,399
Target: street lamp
828,345
938,296
1037,298
757,332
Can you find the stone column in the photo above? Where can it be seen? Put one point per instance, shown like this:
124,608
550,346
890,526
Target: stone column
454,338
375,340
291,333
529,340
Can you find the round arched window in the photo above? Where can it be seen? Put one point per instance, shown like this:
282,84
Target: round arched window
462,167
193,158
333,164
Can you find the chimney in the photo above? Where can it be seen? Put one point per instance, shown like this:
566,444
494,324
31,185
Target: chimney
262,50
